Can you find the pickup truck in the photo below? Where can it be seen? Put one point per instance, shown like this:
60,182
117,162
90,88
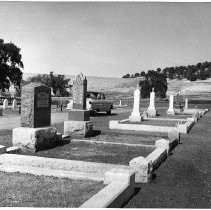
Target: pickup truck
96,102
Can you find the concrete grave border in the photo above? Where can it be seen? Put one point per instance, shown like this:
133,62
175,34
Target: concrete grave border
84,170
182,128
120,188
122,180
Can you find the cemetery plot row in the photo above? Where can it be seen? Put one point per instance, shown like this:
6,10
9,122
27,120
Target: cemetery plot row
24,190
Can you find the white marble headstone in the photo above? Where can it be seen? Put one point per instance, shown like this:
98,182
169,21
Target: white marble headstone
14,104
171,105
5,104
135,115
186,103
151,109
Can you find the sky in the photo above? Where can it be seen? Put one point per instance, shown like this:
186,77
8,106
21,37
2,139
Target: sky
108,39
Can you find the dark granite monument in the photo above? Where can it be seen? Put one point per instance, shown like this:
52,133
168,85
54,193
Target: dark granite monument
35,132
35,106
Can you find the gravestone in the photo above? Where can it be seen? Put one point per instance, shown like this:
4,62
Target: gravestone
5,104
186,103
14,104
78,123
79,112
171,110
79,92
35,132
151,109
35,106
178,105
135,115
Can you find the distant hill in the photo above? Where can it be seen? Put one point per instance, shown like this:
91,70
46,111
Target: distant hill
98,83
126,85
189,88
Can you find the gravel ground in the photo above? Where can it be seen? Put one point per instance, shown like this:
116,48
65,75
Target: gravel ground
24,190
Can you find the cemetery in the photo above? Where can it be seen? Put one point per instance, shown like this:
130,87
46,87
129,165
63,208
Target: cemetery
105,159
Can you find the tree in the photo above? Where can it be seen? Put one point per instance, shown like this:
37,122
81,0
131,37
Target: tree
145,88
136,75
156,80
143,74
126,76
158,70
202,75
58,83
10,65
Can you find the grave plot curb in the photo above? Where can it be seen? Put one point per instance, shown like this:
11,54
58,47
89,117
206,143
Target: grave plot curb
185,128
201,112
115,124
163,119
144,167
73,169
120,188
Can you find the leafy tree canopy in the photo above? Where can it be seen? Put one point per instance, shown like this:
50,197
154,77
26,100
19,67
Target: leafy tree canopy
10,65
156,80
58,83
200,71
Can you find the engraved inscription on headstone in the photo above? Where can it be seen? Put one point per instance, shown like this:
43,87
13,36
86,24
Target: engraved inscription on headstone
79,92
42,99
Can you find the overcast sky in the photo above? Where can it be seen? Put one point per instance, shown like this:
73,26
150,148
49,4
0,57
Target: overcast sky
107,39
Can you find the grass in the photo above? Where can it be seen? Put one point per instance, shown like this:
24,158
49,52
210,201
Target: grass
6,138
183,181
115,154
125,137
24,190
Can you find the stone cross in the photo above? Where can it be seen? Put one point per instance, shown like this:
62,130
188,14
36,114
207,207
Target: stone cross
79,92
135,115
5,104
171,105
35,105
14,104
186,103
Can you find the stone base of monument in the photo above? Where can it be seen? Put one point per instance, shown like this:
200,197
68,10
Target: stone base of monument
171,112
135,118
34,139
78,115
78,128
152,112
